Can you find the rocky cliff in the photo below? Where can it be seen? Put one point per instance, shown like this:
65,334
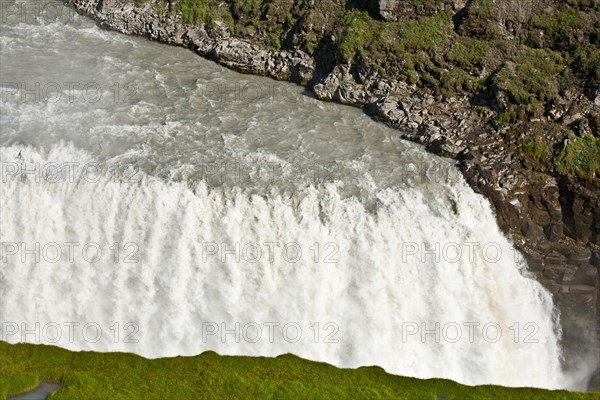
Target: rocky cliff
510,89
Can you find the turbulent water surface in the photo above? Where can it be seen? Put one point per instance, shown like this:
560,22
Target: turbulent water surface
156,203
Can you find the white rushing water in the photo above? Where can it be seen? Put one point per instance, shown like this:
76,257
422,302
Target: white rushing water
166,219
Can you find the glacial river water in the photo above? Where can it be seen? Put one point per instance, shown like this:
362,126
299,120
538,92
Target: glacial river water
154,202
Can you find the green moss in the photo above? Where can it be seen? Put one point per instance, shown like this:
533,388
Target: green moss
482,8
368,36
584,4
559,23
457,81
581,157
561,30
469,54
428,34
201,12
195,12
532,77
538,152
359,31
586,64
250,9
276,43
88,375
427,7
161,7
507,117
543,144
410,50
479,15
18,381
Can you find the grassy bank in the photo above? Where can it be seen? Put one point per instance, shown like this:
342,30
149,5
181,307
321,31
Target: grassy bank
87,375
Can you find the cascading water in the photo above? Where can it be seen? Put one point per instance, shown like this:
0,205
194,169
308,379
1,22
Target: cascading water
177,212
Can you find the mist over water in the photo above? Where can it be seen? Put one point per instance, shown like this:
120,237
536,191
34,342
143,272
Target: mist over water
181,207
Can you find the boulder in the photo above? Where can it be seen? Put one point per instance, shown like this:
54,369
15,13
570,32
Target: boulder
395,10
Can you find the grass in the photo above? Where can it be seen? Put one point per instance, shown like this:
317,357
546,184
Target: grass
469,54
200,12
410,50
581,158
586,63
88,375
560,28
480,14
195,12
357,34
533,77
537,151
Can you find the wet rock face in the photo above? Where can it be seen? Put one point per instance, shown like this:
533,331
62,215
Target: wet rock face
581,209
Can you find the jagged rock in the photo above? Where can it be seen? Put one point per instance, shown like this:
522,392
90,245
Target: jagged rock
504,18
302,69
593,95
595,259
388,109
534,232
444,147
390,9
394,10
580,255
348,93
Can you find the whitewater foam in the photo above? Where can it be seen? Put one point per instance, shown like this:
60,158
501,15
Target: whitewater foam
371,292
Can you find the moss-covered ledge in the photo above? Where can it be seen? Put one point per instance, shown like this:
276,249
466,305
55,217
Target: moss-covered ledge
90,375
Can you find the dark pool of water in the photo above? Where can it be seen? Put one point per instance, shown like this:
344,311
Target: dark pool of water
42,392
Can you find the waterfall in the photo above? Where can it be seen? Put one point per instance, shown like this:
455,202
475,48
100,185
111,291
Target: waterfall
420,287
